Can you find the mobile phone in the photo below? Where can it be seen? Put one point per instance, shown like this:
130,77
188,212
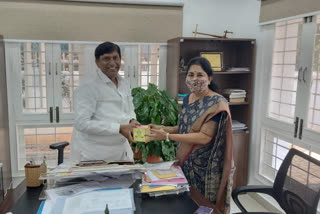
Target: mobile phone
203,210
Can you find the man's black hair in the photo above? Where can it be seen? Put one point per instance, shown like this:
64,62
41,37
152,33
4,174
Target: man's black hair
106,47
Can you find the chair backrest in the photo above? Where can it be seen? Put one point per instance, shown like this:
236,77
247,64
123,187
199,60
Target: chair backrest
297,184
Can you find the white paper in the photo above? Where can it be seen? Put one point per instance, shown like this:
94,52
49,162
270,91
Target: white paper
97,200
47,207
162,165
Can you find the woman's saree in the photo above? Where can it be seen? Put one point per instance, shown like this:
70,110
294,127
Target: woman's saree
205,168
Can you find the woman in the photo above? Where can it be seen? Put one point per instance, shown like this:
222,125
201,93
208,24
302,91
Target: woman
204,134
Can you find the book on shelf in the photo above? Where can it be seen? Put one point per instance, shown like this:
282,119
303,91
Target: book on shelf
236,125
234,93
237,100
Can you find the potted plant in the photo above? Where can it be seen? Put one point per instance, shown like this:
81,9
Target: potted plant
154,106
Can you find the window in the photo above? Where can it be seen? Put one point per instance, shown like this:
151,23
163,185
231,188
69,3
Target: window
284,74
34,144
314,105
41,102
275,148
148,65
292,118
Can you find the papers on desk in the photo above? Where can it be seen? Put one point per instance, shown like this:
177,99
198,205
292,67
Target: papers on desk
120,201
124,181
70,171
157,182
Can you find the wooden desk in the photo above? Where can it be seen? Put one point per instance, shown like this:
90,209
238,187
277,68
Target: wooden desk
175,204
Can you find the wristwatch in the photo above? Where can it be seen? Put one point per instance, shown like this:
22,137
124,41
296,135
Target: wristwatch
167,137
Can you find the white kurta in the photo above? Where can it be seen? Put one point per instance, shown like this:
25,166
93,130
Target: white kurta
100,108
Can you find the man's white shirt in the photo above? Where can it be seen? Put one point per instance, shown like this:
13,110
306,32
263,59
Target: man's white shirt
100,108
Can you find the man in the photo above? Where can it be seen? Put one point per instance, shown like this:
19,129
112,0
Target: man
104,113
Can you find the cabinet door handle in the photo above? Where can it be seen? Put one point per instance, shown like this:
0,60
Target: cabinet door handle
57,115
56,68
49,68
51,114
300,69
134,71
296,127
301,129
304,71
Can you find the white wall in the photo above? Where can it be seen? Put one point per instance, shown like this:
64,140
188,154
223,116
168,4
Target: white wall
216,16
242,18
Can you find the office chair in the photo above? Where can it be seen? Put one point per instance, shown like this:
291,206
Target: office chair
296,187
60,146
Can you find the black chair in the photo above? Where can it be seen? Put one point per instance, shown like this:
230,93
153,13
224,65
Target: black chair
60,146
296,187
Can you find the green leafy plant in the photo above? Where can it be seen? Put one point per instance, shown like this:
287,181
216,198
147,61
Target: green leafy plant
154,106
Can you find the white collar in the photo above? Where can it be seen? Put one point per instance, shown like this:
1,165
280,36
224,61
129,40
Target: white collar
106,79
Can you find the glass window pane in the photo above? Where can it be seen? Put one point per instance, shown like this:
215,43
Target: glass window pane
290,58
293,30
289,84
290,71
277,58
277,70
291,44
32,58
148,68
280,32
287,110
279,45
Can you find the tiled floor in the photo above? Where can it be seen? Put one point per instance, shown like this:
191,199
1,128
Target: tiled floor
249,203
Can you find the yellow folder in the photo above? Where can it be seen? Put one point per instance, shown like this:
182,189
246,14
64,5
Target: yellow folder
162,174
146,188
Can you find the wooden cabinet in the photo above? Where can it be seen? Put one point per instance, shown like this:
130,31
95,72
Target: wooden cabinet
236,53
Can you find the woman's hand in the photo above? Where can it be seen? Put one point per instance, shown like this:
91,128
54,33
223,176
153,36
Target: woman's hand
152,126
156,134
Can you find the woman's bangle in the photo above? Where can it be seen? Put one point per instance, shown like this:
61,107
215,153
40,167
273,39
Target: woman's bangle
167,137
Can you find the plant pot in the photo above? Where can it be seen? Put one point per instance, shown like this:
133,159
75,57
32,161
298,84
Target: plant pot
150,159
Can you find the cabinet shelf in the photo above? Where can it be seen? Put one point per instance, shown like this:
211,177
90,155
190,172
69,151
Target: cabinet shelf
230,72
238,104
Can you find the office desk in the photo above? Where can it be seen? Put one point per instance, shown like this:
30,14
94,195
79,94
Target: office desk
175,204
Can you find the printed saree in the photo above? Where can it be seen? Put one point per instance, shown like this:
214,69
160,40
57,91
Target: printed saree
205,168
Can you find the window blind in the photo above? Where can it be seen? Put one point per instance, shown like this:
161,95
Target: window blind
272,10
81,21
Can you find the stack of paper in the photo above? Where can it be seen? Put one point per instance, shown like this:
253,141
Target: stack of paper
72,171
238,126
164,181
234,95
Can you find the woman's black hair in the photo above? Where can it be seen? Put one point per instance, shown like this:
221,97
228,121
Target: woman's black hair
206,66
106,47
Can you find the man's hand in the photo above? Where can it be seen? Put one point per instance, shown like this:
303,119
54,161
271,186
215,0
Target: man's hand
134,123
126,130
